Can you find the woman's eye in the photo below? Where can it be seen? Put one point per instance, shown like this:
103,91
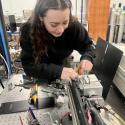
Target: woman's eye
53,25
65,22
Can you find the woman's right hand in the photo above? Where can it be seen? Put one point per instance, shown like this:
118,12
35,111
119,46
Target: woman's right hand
68,74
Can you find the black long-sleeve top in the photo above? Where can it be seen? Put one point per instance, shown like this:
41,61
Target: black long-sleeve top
75,37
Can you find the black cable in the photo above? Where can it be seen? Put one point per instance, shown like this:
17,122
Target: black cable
2,84
95,113
97,116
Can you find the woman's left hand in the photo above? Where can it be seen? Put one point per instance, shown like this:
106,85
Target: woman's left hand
85,65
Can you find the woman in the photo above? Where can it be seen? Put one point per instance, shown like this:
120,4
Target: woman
49,37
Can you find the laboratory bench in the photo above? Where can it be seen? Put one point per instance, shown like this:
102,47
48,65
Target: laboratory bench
14,105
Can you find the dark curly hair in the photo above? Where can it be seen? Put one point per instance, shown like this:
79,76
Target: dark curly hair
38,32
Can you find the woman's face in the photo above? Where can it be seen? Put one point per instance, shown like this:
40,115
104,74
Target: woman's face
56,21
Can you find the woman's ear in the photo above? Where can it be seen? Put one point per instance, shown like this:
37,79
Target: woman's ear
41,19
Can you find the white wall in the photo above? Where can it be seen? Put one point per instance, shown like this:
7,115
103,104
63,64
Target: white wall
17,6
117,1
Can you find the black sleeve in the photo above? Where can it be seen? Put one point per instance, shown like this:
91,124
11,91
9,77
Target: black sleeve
83,44
41,70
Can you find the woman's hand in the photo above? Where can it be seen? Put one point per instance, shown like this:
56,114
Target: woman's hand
85,65
68,74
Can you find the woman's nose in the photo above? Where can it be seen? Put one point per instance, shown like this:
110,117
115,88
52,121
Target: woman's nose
60,29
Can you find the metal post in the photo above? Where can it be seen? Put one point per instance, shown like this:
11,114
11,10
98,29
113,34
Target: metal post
81,11
3,40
